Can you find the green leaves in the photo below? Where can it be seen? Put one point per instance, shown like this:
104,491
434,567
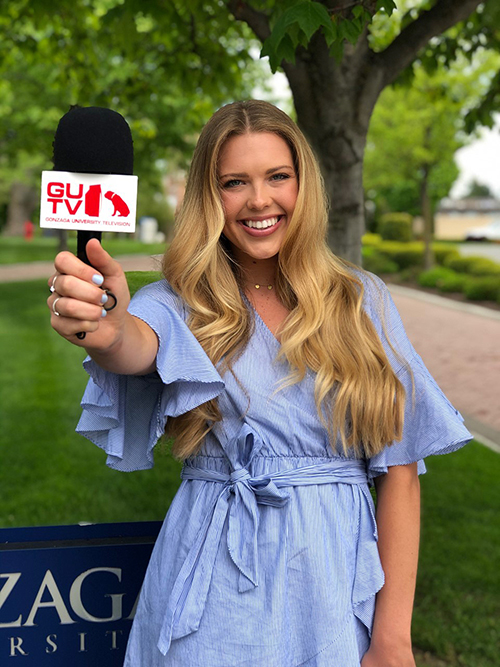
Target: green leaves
300,21
294,28
388,6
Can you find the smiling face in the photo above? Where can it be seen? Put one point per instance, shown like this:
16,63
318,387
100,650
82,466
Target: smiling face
259,188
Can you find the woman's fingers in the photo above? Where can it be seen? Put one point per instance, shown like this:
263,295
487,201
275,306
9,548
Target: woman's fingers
67,263
102,260
69,316
76,288
82,294
66,307
68,328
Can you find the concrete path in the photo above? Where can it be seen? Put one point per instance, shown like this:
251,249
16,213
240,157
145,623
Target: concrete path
459,343
11,273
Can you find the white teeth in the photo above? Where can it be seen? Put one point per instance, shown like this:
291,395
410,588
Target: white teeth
261,224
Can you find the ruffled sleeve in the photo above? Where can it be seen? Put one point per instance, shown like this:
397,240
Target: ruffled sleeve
125,415
431,424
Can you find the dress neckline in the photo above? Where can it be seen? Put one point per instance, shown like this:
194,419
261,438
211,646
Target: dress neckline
260,321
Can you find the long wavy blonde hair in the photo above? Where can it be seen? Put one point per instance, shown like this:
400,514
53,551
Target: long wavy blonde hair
357,393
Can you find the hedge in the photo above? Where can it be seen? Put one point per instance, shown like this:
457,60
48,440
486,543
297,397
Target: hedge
478,278
396,227
473,265
483,289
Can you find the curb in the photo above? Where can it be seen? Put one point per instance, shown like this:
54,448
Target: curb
486,435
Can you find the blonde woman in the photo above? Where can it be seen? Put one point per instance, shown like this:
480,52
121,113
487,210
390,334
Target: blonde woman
289,385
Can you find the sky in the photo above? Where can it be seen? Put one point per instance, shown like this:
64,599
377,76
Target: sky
480,160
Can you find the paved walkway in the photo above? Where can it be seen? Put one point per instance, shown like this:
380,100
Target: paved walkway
10,273
459,343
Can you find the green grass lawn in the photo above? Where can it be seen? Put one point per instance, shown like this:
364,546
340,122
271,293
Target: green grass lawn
458,592
49,475
15,250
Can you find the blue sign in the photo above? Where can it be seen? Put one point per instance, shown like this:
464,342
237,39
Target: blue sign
68,594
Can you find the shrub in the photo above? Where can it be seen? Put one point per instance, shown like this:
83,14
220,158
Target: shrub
396,227
410,275
454,282
443,253
371,239
404,254
432,277
478,266
484,267
457,263
483,289
377,263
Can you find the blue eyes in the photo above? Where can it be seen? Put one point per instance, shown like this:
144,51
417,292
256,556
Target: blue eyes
231,184
235,182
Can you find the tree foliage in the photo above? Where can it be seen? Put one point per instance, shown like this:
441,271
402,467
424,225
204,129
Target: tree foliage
165,68
167,65
478,190
417,130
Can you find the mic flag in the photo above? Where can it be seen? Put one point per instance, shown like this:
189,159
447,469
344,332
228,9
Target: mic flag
91,188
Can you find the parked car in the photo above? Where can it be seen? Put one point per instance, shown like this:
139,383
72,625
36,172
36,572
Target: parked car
489,232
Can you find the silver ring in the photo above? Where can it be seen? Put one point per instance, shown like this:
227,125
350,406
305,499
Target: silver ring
53,286
54,307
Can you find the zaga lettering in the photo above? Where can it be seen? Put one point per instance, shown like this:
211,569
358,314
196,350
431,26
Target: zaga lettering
49,589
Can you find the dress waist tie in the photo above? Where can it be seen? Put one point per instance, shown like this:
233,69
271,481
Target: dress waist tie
239,498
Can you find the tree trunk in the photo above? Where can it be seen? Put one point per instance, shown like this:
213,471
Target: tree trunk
23,200
333,110
344,184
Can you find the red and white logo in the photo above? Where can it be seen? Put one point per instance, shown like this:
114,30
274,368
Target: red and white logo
99,202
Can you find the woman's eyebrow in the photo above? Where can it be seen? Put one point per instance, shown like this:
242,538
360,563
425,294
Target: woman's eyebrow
269,171
234,175
283,166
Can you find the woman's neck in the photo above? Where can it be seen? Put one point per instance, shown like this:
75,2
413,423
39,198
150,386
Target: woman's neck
258,272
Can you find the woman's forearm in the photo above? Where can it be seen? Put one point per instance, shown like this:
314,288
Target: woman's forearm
398,520
133,353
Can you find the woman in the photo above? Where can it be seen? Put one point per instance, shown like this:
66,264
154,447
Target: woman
288,383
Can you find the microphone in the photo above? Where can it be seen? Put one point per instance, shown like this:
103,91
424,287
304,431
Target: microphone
93,152
93,140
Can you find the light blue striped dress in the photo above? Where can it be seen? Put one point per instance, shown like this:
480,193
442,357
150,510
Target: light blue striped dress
268,554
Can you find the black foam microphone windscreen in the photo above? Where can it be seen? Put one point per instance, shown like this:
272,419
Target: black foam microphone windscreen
93,140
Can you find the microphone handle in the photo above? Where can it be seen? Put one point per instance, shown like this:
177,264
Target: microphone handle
83,237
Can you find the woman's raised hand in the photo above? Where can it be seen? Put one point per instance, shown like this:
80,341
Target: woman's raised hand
77,302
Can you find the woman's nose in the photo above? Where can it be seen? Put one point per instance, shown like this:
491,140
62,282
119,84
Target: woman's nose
259,197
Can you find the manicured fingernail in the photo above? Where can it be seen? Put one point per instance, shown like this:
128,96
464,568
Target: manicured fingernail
97,279
104,298
103,313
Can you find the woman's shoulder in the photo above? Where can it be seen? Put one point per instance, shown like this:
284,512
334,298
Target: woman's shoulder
376,299
378,304
159,294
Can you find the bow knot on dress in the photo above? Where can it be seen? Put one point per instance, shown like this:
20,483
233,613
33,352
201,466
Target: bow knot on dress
238,476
